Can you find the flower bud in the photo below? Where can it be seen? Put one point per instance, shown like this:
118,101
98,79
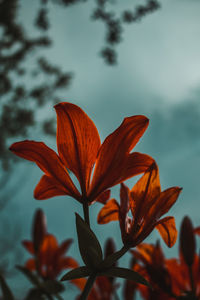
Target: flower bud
187,241
39,229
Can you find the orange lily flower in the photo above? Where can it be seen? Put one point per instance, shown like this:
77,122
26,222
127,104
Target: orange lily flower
183,282
147,204
170,278
186,271
79,148
151,264
49,258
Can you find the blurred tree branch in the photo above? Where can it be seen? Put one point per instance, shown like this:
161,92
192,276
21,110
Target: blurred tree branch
27,84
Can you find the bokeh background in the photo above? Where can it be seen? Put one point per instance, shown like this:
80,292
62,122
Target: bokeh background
157,73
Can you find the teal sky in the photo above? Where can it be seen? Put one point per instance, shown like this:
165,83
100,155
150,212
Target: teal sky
158,75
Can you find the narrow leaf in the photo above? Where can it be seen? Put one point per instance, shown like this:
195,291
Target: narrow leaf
126,274
110,260
6,292
76,273
89,246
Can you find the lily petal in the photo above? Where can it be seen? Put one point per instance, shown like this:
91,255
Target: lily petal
144,192
46,188
136,163
30,264
197,230
110,212
78,141
167,230
124,199
103,197
29,246
114,152
48,249
164,202
48,161
66,262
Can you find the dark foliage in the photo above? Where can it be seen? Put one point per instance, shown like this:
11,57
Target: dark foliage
27,79
20,100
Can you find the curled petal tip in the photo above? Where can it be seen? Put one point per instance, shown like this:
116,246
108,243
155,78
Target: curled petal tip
179,189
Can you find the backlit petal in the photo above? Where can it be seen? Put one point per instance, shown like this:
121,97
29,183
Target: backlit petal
110,212
30,264
48,161
114,152
103,197
197,230
144,252
48,188
124,199
29,246
67,262
136,163
164,202
48,249
144,192
77,140
80,283
167,230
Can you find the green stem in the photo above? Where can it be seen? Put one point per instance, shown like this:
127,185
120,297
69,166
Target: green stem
88,286
86,212
111,259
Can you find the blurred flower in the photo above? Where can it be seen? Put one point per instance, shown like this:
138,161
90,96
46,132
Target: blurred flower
147,204
49,258
79,148
185,272
170,278
152,265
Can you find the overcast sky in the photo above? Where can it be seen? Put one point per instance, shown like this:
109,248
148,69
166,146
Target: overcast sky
158,75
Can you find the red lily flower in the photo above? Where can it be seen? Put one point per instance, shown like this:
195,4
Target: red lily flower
49,258
79,148
147,204
151,264
183,282
170,278
186,271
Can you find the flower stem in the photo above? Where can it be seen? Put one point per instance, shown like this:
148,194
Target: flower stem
110,260
86,212
88,286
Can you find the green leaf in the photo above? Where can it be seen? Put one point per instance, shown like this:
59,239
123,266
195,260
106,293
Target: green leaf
89,246
126,274
110,260
76,273
52,286
6,292
30,275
